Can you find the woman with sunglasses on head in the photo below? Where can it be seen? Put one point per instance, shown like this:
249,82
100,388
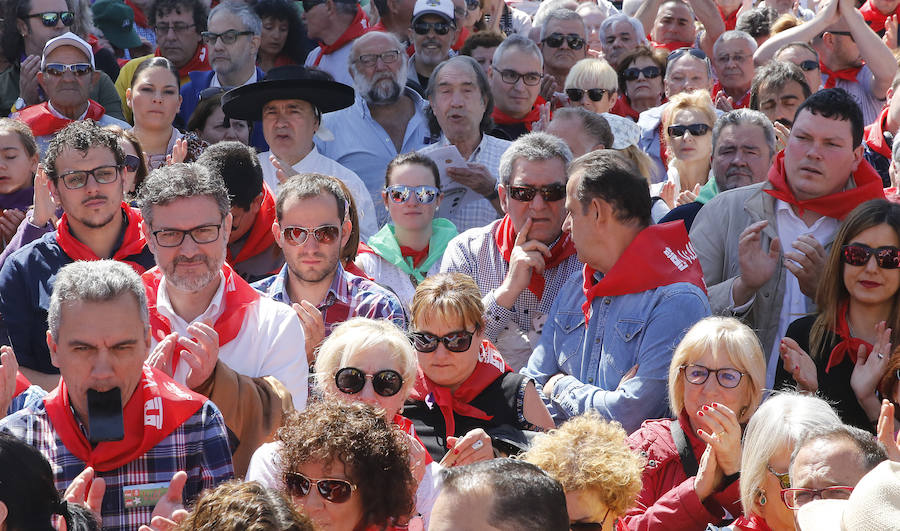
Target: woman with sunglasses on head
641,74
849,340
209,122
404,252
481,404
715,385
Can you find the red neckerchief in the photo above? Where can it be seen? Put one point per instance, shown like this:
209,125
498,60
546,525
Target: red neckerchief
671,46
22,384
751,523
729,20
837,206
356,28
463,35
874,135
660,255
506,240
873,17
490,366
742,103
156,408
663,156
622,108
198,63
847,74
260,237
43,122
849,346
139,17
133,241
416,256
407,427
238,298
534,115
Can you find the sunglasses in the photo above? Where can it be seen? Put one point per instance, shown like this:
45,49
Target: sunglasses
857,254
58,69
698,374
351,380
473,4
678,131
132,163
784,478
441,28
595,94
555,40
401,193
298,235
685,50
649,72
332,490
550,192
50,18
458,341
808,65
79,178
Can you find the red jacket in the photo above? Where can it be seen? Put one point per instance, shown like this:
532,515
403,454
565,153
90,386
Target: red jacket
667,499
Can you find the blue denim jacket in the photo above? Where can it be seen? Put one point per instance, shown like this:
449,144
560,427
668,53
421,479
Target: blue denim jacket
627,330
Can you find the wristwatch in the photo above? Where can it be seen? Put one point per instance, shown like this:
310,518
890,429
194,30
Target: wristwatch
20,104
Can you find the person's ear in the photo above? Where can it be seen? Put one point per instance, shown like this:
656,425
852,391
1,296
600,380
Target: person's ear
256,204
276,232
128,98
148,236
40,80
22,27
857,156
255,41
384,197
346,228
503,197
4,512
226,226
54,350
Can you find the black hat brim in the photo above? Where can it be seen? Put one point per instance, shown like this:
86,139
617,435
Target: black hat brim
246,102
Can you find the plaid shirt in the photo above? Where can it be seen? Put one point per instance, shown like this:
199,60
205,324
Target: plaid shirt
199,447
348,296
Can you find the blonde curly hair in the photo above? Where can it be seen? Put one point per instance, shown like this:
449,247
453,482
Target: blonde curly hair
590,453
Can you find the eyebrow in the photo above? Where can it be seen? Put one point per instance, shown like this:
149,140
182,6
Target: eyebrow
79,343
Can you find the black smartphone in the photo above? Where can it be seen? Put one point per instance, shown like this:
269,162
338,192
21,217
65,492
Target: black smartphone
105,421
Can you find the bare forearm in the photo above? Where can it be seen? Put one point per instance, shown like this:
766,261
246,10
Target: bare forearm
647,13
878,56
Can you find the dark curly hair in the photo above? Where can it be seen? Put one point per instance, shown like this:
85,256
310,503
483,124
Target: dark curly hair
286,11
199,11
239,506
81,135
375,454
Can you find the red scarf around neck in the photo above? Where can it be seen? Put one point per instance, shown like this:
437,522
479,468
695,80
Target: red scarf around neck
22,384
490,366
742,103
198,63
849,346
874,136
622,108
506,240
416,256
838,205
238,298
534,115
660,255
140,18
133,241
260,237
357,27
157,407
751,523
873,17
43,122
847,74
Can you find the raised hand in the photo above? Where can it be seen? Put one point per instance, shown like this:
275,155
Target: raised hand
313,327
799,364
527,256
757,264
472,447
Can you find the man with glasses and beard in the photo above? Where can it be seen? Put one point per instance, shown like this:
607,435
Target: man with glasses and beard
386,119
312,227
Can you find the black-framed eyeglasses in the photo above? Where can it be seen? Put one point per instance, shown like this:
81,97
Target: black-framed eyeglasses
401,193
332,490
371,59
784,478
458,341
649,72
727,377
78,178
512,77
555,40
550,193
809,65
441,28
796,498
297,236
595,94
51,18
678,131
228,37
178,27
857,254
132,163
694,52
77,69
351,381
175,237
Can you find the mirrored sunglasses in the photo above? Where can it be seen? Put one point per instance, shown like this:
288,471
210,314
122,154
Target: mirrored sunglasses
401,193
298,235
555,40
332,490
526,193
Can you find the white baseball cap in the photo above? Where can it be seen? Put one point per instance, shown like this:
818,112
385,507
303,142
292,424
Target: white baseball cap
443,8
67,39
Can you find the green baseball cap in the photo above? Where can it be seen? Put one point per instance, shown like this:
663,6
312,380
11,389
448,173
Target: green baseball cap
116,20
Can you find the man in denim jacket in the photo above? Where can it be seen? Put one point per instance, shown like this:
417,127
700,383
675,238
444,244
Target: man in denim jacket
611,331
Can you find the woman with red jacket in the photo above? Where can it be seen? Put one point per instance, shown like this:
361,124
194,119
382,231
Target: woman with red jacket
693,463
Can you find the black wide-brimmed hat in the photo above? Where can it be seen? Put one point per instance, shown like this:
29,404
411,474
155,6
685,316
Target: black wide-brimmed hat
290,82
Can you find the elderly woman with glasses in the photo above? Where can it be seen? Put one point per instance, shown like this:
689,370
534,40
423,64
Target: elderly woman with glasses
466,401
849,339
641,74
693,462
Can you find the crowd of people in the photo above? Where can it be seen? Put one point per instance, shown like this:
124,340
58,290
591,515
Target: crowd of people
449,265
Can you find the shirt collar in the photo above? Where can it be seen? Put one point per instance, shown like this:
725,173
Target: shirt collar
336,291
213,311
216,83
60,115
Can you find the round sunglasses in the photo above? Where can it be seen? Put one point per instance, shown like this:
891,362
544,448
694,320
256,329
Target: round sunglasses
595,94
678,131
401,193
332,490
297,236
458,341
351,381
857,254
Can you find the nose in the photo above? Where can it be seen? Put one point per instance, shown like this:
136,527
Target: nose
102,368
872,263
538,202
368,394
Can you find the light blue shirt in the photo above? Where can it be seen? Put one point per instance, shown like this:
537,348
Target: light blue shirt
363,146
626,330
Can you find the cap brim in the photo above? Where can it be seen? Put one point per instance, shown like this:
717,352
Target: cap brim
821,515
123,39
246,102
